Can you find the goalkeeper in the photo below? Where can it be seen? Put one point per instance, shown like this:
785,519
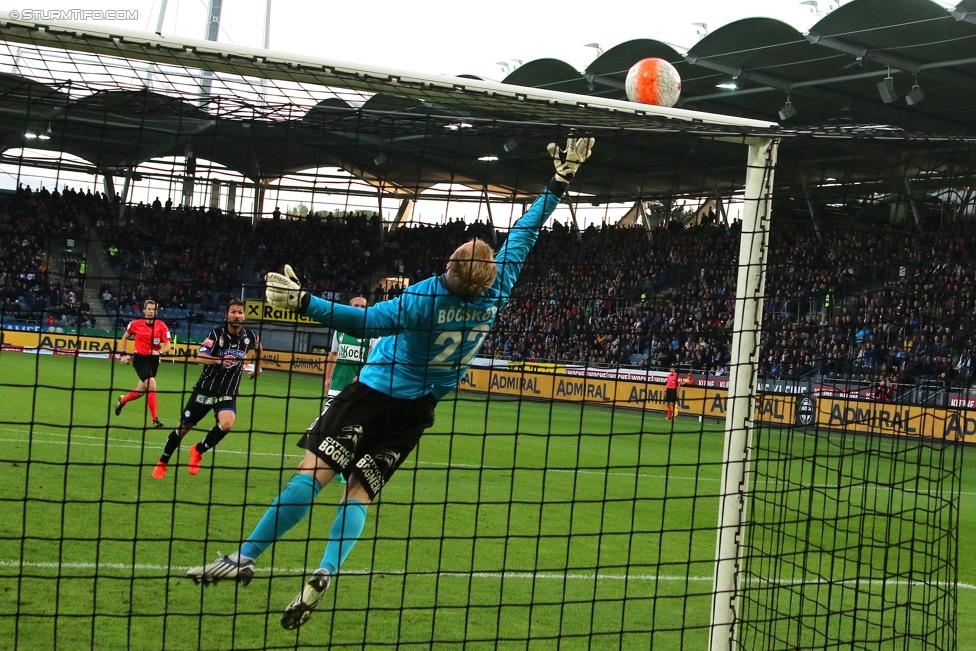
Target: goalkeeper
430,336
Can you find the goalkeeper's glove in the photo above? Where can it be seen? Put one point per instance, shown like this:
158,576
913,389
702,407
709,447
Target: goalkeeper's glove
567,161
285,291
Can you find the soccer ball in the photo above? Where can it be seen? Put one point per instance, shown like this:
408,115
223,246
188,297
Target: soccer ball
653,81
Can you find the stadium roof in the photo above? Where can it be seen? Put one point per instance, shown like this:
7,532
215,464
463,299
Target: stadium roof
268,114
830,75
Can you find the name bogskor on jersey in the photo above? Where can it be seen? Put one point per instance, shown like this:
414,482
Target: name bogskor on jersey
437,334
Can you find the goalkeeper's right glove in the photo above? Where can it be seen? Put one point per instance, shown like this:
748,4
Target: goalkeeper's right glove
285,291
567,161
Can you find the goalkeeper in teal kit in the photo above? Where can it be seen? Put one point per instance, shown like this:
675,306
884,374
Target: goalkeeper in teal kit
430,336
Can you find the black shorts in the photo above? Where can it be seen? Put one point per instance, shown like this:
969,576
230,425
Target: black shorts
200,404
670,395
366,433
145,366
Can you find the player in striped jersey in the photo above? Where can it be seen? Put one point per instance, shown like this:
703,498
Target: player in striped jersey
223,354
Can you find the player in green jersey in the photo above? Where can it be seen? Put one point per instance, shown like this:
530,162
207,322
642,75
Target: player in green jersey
346,359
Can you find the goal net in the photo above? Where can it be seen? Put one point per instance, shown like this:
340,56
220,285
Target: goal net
810,308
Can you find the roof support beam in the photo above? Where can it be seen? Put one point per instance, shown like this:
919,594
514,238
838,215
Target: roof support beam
379,207
895,61
212,28
759,77
891,113
771,83
610,81
963,204
796,85
491,219
813,208
125,192
230,204
403,213
967,16
720,206
259,189
576,228
648,228
914,204
108,185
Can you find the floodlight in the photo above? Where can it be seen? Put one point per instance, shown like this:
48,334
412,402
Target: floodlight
380,159
915,96
787,111
488,159
887,90
510,145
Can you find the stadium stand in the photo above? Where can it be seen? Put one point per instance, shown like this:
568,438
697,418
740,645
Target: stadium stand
606,296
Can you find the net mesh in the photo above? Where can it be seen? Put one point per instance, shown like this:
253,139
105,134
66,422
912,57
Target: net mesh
552,503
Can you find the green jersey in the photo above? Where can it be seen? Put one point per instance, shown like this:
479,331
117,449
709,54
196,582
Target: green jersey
352,354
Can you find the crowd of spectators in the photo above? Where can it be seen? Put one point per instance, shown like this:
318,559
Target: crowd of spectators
177,256
885,304
879,304
331,253
35,228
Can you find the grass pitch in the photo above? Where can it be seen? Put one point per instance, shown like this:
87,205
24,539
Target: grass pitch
513,526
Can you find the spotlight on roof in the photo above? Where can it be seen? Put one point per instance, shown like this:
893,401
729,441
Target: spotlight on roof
915,96
596,46
43,136
787,111
510,145
887,90
380,159
488,159
814,6
728,85
30,136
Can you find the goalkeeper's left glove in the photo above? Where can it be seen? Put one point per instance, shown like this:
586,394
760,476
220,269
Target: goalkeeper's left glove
285,291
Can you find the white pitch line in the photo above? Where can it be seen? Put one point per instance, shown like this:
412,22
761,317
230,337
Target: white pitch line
547,576
119,444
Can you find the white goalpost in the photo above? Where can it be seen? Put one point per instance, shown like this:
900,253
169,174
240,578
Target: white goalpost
750,287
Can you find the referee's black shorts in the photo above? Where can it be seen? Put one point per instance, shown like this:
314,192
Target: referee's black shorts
145,366
368,434
670,395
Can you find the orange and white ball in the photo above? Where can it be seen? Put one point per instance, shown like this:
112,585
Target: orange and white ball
653,81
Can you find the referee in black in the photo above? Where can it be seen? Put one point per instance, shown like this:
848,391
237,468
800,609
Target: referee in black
223,354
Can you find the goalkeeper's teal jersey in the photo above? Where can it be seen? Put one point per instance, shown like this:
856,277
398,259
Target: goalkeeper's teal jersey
430,336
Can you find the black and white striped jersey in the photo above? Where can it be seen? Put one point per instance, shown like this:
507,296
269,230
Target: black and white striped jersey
224,379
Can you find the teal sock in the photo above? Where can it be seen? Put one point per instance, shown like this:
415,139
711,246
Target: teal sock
285,512
348,526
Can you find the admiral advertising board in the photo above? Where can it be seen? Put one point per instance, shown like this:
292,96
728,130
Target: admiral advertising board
102,347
